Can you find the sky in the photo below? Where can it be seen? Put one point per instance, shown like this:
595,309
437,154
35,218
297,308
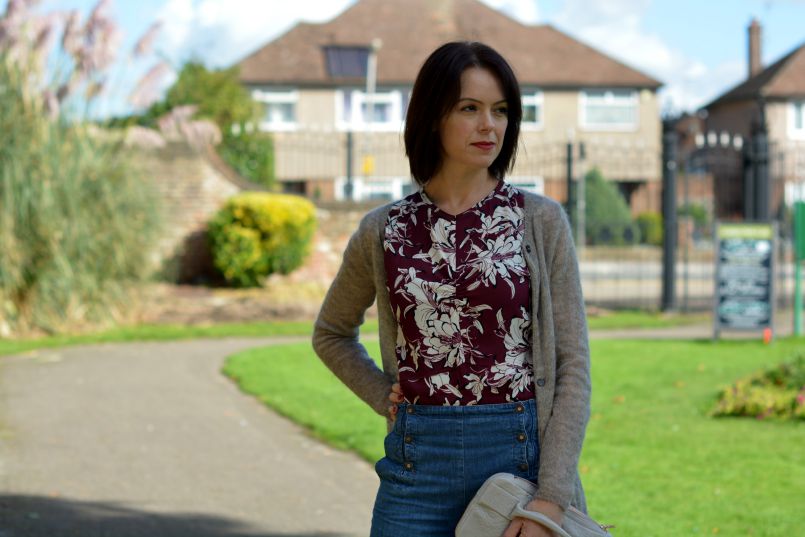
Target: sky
697,48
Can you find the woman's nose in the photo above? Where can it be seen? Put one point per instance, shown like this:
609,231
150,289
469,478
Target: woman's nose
486,122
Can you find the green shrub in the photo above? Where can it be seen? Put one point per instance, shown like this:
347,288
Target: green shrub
77,223
257,234
608,220
776,392
650,224
251,154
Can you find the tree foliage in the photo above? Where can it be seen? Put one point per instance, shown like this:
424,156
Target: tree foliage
218,94
607,217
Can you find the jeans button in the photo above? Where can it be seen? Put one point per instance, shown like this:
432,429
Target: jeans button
521,437
408,439
523,467
409,409
409,465
519,408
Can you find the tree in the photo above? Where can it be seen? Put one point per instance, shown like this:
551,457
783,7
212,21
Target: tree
217,93
219,97
607,219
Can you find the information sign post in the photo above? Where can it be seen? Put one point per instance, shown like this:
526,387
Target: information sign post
744,286
799,255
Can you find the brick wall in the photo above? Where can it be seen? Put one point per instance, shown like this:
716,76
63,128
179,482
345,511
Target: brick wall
193,185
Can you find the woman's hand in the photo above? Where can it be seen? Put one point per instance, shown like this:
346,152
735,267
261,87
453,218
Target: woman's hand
521,527
396,397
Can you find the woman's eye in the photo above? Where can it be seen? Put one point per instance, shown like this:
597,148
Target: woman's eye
469,108
503,111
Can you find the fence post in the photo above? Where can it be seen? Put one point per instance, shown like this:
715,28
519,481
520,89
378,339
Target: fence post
669,216
749,180
581,200
348,186
760,142
570,205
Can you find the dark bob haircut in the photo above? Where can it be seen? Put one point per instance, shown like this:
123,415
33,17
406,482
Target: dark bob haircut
438,88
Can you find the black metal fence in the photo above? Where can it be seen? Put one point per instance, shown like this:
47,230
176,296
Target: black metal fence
623,264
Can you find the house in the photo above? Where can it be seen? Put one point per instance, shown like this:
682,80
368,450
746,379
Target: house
315,87
774,96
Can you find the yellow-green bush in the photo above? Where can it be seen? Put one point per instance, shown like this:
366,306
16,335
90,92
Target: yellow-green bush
650,224
777,392
257,234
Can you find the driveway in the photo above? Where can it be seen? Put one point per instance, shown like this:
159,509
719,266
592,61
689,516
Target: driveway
149,439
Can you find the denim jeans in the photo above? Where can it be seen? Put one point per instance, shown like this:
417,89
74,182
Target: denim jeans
437,457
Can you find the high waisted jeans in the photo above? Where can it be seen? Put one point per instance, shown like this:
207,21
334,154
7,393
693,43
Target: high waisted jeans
437,457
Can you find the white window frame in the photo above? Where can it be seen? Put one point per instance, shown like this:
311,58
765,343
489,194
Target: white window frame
358,97
796,132
537,99
278,97
609,99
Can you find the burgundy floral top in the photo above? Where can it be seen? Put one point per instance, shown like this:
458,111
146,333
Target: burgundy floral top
460,291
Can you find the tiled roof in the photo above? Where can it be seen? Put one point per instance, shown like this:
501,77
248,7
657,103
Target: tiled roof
412,29
783,79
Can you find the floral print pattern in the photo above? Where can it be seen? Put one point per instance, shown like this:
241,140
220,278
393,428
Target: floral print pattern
460,291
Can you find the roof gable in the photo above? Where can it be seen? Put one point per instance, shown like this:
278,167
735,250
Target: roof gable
411,29
783,79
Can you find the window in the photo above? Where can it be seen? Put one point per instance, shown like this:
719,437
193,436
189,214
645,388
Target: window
355,111
279,109
346,62
797,122
614,109
532,109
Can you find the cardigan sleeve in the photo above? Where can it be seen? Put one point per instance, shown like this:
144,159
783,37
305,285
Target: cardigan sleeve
335,333
564,434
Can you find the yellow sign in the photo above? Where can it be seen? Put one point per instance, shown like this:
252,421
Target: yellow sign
368,165
745,231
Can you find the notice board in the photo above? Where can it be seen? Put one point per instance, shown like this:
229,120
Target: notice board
744,286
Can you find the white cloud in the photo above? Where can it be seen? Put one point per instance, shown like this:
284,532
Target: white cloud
223,31
525,11
220,32
615,27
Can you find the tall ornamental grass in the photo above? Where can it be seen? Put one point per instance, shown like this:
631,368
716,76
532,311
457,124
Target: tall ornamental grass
77,222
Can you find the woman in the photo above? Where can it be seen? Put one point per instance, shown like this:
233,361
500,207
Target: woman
482,327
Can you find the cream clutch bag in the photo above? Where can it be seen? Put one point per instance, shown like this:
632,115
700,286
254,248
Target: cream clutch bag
503,497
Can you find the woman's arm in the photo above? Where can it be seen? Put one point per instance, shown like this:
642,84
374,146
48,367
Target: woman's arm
335,333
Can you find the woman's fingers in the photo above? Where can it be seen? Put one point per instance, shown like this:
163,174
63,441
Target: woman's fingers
514,528
396,395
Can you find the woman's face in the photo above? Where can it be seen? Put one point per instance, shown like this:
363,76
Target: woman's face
472,131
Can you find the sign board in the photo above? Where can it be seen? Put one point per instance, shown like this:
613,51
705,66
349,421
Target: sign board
744,286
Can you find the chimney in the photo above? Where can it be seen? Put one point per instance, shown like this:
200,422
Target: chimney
755,65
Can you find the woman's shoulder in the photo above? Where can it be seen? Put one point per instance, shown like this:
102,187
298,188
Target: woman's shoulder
375,220
539,205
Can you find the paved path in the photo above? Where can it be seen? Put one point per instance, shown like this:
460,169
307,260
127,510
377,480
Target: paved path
149,439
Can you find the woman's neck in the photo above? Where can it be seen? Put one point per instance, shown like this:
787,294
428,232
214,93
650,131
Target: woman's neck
455,193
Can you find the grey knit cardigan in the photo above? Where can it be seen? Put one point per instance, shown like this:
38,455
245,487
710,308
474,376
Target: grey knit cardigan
559,337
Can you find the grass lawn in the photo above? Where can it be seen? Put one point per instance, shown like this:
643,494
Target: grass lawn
163,333
653,464
611,321
640,319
